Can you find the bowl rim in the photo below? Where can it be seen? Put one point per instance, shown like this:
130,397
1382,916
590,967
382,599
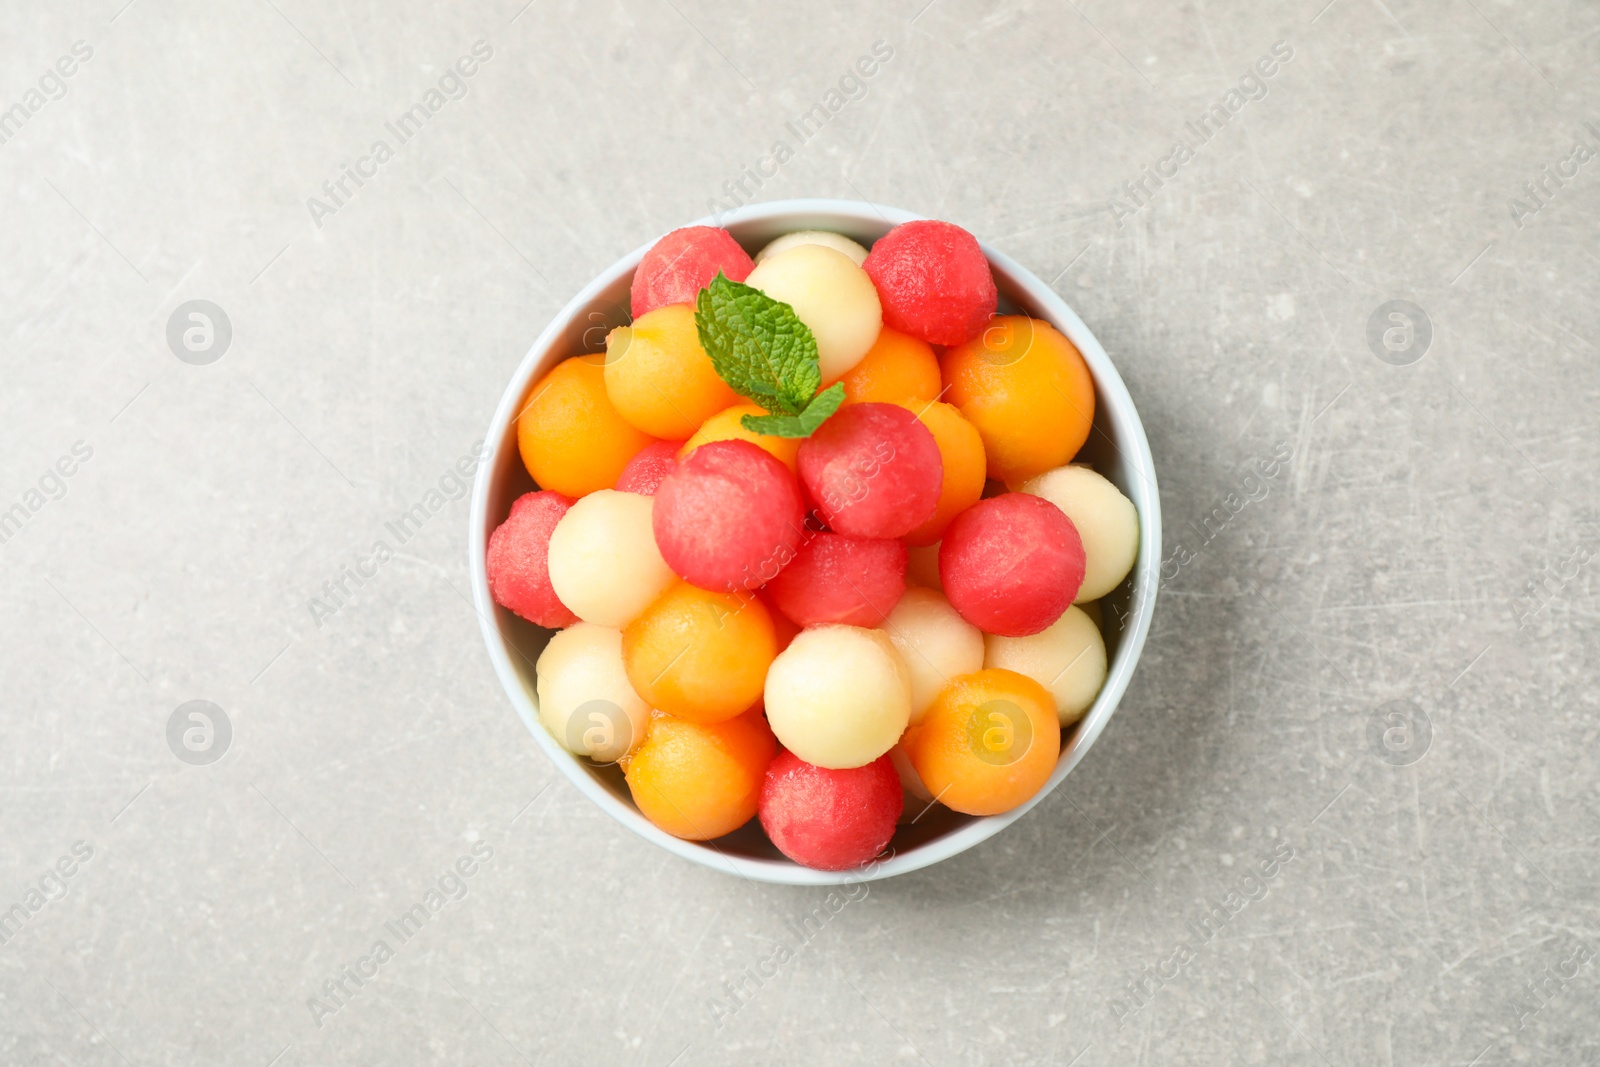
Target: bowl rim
1111,393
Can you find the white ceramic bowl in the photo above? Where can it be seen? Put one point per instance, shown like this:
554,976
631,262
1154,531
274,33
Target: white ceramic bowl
1117,447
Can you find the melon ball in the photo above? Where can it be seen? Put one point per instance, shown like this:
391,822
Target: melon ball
730,517
897,369
827,239
832,820
658,376
922,565
699,655
831,295
684,262
837,578
1068,658
873,471
838,696
962,457
988,744
644,471
728,425
518,560
569,434
934,281
1106,520
935,642
699,781
1011,564
1026,388
604,564
585,701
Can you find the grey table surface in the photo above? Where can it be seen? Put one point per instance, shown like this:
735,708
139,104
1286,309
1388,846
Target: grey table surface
1372,671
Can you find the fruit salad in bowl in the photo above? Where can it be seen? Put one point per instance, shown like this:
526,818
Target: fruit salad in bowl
818,542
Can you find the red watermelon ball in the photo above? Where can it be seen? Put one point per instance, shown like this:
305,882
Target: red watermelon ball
933,281
648,467
730,517
682,263
1009,566
519,572
873,470
837,578
832,820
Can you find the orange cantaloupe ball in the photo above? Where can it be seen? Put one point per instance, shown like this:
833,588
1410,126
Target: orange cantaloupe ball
659,378
699,655
698,781
965,464
728,425
988,742
571,438
897,369
1027,390
1068,657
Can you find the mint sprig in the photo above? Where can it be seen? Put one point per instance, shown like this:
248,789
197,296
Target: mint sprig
760,347
804,424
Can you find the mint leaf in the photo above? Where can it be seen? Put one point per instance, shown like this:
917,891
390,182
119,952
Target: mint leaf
804,424
759,346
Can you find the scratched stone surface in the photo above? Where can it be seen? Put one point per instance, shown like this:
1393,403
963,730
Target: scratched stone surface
1343,254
